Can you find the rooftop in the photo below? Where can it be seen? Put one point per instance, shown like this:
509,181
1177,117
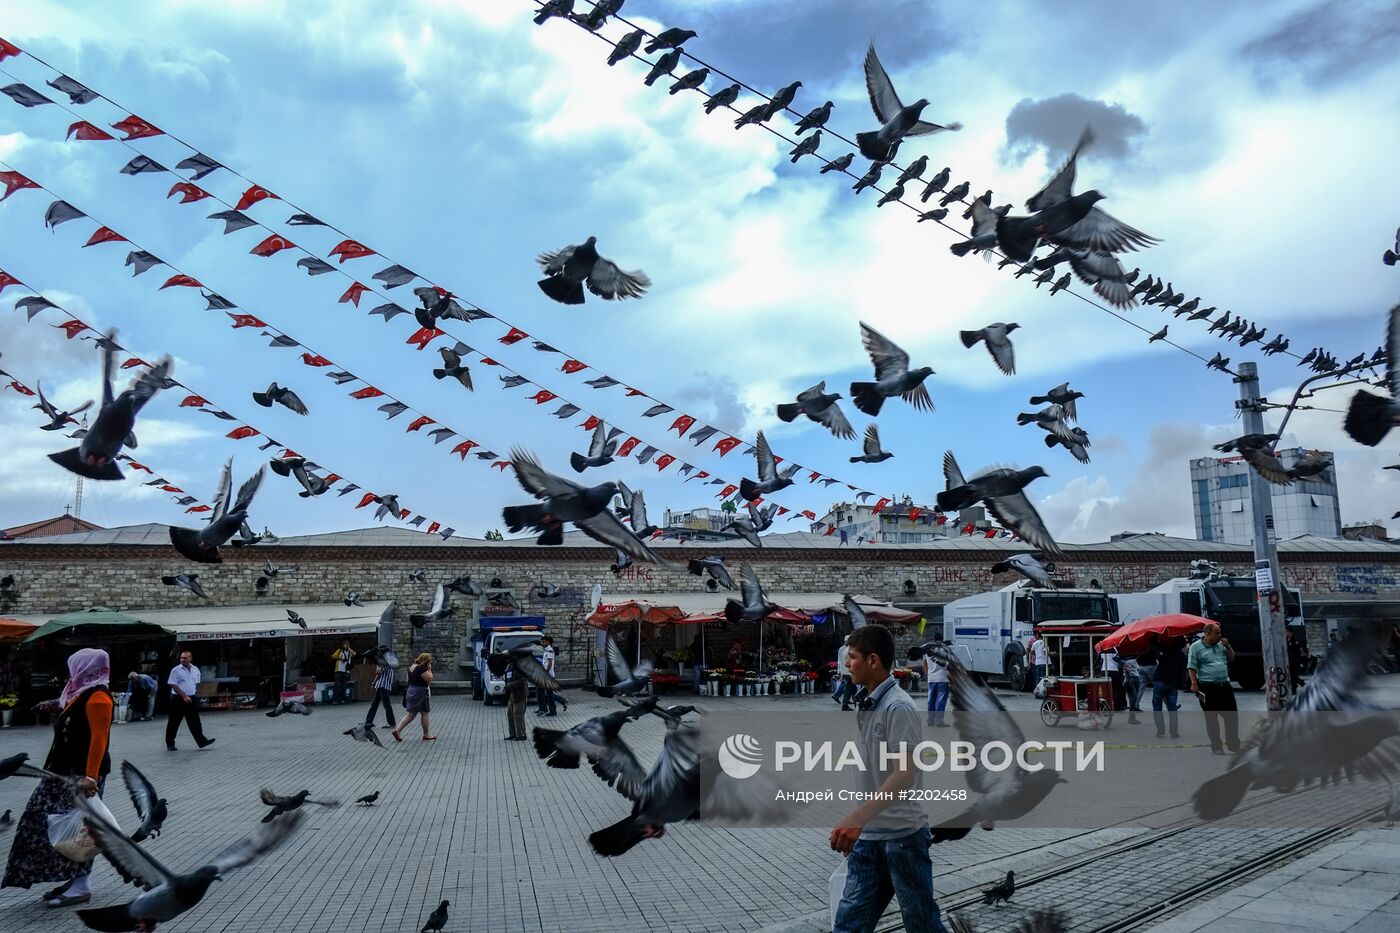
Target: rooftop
48,527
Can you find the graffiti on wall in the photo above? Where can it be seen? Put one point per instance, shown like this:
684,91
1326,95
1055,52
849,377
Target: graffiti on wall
1366,578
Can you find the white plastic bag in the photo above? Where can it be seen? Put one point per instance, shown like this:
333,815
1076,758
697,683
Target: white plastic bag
1042,688
70,838
837,888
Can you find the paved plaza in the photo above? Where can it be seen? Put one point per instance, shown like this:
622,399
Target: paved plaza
482,823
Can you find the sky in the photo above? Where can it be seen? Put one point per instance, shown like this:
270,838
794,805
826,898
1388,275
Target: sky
461,140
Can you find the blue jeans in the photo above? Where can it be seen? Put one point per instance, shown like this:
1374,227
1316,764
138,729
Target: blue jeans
937,701
1165,693
878,870
1037,674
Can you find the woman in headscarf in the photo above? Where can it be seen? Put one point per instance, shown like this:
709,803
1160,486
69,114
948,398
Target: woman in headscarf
79,753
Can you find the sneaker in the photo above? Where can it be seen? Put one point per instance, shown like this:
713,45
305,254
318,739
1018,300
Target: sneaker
1162,735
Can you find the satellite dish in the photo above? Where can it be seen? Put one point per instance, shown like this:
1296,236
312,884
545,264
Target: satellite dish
595,597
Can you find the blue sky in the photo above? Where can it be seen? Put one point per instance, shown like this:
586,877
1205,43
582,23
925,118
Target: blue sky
459,139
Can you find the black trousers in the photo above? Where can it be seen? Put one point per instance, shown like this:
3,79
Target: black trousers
1115,678
186,712
380,696
338,697
1219,704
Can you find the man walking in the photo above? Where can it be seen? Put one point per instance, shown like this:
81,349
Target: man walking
1167,676
342,657
184,707
1132,686
937,673
548,698
517,697
886,839
846,689
383,685
1114,670
1208,664
1040,658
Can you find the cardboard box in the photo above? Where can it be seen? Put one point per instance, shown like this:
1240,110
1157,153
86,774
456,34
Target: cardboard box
206,689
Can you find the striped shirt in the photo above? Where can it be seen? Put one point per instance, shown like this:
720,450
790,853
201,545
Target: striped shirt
384,678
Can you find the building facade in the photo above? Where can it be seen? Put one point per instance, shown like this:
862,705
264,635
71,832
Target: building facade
897,523
1224,512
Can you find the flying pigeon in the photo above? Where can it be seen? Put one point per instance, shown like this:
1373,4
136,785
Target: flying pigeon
1028,566
388,507
626,46
996,337
1063,396
352,598
769,479
189,581
749,528
853,611
546,591
821,407
897,121
270,571
630,680
1001,891
621,563
892,376
670,39
437,919
1004,496
1246,442
364,732
600,451
594,738
15,765
714,567
6,821
166,894
297,707
634,505
441,608
311,484
465,587
435,305
282,805
984,230
58,420
282,396
838,164
1370,416
753,606
228,516
418,576
664,65
150,807
723,98
815,119
1051,418
936,184
1310,464
295,618
95,457
871,447
567,270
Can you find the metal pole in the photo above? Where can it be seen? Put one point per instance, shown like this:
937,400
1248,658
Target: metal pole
1267,573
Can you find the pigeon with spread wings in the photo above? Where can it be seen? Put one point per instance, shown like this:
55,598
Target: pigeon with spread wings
58,420
452,368
1003,492
871,451
600,451
441,609
819,406
896,120
567,270
1370,416
892,376
769,479
228,516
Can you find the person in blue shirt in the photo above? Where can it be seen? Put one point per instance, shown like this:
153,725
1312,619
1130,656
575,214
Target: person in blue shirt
142,687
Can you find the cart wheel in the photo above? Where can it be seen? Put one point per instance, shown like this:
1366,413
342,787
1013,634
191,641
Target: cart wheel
1106,711
1049,712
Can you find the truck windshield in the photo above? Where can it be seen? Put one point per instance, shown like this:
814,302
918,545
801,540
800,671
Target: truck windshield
511,640
1065,607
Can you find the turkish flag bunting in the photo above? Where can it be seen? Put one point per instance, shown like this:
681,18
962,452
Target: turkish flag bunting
8,50
253,195
245,320
6,280
682,424
592,422
830,531
312,359
182,279
635,392
20,387
351,249
424,336
756,502
967,529
353,293
991,533
783,510
879,506
914,513
628,446
13,182
573,366
663,461
331,478
134,362
246,431
501,465
809,515
726,445
104,235
701,475
198,508
433,527
85,130
136,128
366,392
194,401
273,244
727,491
72,328
941,520
515,336
464,448
187,192
487,361
366,499
543,396
137,466
169,488
421,421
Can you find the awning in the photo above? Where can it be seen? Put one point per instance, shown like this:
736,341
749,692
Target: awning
1132,639
630,611
99,616
15,629
213,623
709,607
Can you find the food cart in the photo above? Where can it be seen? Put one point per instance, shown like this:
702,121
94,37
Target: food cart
1078,683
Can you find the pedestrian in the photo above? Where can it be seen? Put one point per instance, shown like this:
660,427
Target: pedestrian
845,689
549,700
184,703
1167,678
80,750
1132,686
1297,660
1040,658
142,687
1113,668
383,685
417,700
1208,665
736,656
517,695
342,657
697,660
937,673
885,839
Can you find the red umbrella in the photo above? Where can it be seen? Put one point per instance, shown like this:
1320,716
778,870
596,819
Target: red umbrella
1132,638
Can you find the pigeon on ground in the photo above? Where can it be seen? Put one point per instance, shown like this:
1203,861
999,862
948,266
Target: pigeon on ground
167,894
552,8
838,164
821,407
1160,335
1003,492
690,80
936,184
296,707
723,98
996,337
593,738
189,581
980,718
567,270
1370,416
871,176
95,457
594,19
626,46
295,467
815,119
295,618
58,420
635,506
630,680
753,606
15,765
872,452
441,609
897,121
437,919
600,451
282,396
670,39
228,516
664,65
1028,566
1390,256
714,567
368,799
6,821
1001,891
452,368
352,598
769,479
749,528
282,805
892,376
363,732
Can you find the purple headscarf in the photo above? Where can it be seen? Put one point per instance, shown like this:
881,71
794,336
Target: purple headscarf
87,667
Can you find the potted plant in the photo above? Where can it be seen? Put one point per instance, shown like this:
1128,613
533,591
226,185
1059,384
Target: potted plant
8,702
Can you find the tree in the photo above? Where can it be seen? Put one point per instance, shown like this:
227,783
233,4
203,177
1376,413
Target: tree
728,506
494,535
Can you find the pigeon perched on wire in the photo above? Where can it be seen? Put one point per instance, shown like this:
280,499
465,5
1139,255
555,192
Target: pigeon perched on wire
452,368
819,406
955,194
714,568
594,19
690,80
755,115
166,894
282,396
892,376
807,146
872,452
756,522
1028,566
437,919
295,467
723,98
1160,335
664,65
838,164
441,608
936,184
815,119
631,680
150,807
670,39
295,707
1003,492
593,738
96,455
364,732
1001,891
1390,256
568,270
996,337
869,179
626,46
935,214
769,479
894,194
58,420
753,606
600,451
553,8
914,171
189,581
228,515
282,805
897,121
1370,416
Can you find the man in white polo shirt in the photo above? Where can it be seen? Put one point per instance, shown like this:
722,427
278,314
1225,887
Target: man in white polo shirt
184,684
